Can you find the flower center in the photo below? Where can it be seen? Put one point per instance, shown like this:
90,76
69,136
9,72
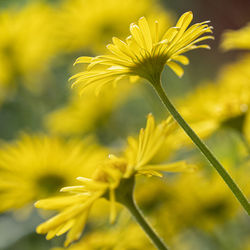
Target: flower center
236,122
217,209
150,67
50,183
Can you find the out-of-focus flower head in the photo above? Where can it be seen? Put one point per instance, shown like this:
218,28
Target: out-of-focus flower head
37,166
26,45
144,53
236,39
205,204
85,29
240,39
111,179
201,207
84,114
224,102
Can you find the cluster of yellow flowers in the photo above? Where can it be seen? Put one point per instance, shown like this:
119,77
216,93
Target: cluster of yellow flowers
69,169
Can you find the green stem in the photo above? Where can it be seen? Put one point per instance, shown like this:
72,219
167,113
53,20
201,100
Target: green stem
134,210
203,148
124,195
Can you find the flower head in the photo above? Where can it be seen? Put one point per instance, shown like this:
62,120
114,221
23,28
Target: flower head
144,53
110,180
74,113
33,168
26,52
236,39
224,102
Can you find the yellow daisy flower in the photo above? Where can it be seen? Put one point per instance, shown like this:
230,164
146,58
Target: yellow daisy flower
75,112
236,39
238,75
144,53
37,166
223,102
27,43
205,202
112,179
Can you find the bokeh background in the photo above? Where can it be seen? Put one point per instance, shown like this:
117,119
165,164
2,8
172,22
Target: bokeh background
43,121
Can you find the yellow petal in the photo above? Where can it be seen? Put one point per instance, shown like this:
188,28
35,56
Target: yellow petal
134,79
83,59
143,24
136,33
56,203
176,68
81,189
76,230
182,59
179,166
64,228
122,46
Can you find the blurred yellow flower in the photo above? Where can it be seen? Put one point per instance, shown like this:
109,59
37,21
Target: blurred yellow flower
84,114
205,203
224,102
144,53
240,39
111,176
236,39
37,166
27,43
81,28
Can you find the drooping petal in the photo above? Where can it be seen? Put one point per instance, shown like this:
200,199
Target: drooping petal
176,68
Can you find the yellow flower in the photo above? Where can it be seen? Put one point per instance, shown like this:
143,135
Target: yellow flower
27,43
112,177
236,39
36,167
198,200
238,74
205,203
75,112
144,53
223,102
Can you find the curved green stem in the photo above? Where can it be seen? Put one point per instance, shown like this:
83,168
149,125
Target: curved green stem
124,195
134,210
203,148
